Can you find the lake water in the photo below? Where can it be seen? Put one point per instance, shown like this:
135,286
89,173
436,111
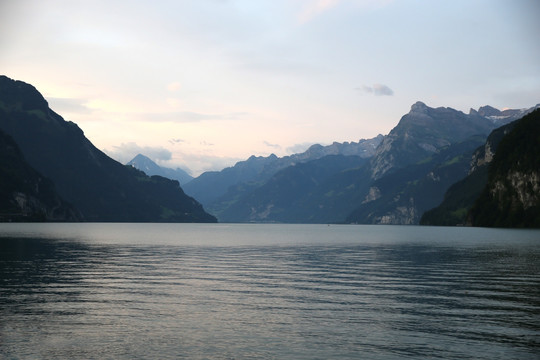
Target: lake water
218,291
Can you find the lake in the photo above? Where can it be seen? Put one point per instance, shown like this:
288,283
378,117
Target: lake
228,291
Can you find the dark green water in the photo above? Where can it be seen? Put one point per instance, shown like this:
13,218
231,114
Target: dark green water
173,291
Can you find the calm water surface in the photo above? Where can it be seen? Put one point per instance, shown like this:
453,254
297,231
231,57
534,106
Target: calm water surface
173,291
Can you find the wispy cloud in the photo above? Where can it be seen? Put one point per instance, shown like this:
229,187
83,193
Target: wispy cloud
377,90
188,116
274,146
298,148
176,141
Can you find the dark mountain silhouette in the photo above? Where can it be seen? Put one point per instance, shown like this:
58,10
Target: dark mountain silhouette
288,195
26,195
146,165
98,186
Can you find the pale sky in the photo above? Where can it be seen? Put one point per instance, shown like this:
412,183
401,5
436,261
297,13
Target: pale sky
204,83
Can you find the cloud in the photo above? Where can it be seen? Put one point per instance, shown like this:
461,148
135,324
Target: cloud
275,146
125,152
298,148
188,116
199,163
377,90
176,141
69,105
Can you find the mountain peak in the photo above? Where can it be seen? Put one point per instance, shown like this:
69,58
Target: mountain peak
419,107
488,111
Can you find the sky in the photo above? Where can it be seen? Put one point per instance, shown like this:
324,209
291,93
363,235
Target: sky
202,84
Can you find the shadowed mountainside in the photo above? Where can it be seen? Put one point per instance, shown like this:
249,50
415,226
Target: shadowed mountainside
99,187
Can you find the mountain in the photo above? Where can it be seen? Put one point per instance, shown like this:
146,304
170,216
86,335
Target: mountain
96,185
424,131
256,170
26,195
455,209
403,195
150,168
511,197
287,195
460,196
407,174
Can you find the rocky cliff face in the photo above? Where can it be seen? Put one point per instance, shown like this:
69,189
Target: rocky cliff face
512,195
425,130
515,189
484,155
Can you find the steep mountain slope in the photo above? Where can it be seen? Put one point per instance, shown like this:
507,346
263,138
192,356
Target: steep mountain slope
287,195
425,130
460,197
150,168
99,187
26,195
512,195
210,186
410,171
402,196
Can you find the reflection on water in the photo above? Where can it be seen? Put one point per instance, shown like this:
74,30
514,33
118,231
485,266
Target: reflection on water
105,291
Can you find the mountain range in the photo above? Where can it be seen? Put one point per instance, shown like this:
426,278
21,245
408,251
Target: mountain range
390,179
98,187
479,169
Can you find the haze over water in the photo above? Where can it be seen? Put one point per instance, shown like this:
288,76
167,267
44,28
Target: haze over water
168,291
